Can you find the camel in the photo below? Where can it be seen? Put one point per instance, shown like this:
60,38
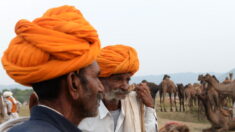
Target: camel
153,89
181,95
213,95
167,86
190,95
220,122
231,76
225,89
174,127
228,79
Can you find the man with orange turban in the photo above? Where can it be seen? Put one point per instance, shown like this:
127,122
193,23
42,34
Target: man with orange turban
56,55
121,110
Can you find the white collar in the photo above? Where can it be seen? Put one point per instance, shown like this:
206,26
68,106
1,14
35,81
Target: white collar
103,111
50,109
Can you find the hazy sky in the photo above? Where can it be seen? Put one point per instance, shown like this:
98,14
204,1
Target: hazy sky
170,36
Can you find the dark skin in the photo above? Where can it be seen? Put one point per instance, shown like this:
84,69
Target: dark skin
74,95
121,82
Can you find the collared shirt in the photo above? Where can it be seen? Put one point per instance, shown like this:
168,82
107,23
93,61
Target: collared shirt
104,122
45,119
51,109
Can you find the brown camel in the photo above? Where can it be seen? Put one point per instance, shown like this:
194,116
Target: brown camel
228,79
167,86
174,127
181,95
213,95
153,88
225,89
220,122
190,96
231,76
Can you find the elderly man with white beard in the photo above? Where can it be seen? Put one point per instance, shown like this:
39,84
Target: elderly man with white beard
121,109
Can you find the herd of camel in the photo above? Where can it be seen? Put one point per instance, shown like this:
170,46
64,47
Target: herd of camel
210,93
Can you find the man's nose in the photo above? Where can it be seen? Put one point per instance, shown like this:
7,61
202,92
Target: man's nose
125,85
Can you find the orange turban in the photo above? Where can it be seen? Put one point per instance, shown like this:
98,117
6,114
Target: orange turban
117,59
55,44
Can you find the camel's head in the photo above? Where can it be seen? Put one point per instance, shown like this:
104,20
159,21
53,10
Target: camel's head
200,77
231,76
144,81
214,77
207,77
166,76
180,87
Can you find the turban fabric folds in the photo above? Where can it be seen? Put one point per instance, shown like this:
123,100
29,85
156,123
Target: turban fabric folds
59,42
117,59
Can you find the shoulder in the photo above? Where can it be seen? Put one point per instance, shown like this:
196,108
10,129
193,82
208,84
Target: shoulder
4,127
34,126
89,123
98,123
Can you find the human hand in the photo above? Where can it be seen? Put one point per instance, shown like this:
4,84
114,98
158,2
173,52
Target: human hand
143,93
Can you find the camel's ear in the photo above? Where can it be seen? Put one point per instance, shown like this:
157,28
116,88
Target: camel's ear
74,85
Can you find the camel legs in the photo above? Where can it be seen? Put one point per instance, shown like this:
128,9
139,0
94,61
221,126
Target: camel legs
183,104
170,102
180,100
164,106
162,102
176,109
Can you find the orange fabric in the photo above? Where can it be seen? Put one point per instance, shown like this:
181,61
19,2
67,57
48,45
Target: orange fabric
57,43
14,106
117,59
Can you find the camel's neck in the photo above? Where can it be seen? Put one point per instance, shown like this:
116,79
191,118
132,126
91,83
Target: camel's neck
226,88
208,110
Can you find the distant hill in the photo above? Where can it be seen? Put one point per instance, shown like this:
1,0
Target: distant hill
223,76
185,78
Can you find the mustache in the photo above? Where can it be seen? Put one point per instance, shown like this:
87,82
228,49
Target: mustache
120,91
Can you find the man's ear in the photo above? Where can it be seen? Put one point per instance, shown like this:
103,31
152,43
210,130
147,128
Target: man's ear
74,85
33,100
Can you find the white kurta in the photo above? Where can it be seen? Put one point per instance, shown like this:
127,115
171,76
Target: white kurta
104,121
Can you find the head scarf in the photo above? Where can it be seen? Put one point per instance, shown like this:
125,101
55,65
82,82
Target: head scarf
117,59
7,94
55,44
